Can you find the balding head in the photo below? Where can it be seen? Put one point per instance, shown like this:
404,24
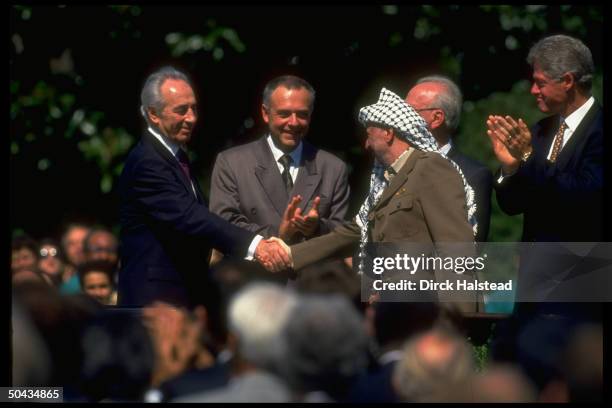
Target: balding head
438,100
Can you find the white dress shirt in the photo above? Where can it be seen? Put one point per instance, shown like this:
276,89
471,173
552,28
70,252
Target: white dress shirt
296,156
572,122
446,148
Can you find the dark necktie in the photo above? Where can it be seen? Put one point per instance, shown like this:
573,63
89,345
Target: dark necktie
286,160
184,162
558,142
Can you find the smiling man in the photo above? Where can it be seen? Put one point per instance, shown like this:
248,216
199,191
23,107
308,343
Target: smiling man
167,231
552,173
280,184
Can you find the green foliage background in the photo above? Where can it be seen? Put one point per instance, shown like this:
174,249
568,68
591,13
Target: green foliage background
76,73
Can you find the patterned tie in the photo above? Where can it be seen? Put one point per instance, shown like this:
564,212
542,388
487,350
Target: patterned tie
184,162
286,161
558,142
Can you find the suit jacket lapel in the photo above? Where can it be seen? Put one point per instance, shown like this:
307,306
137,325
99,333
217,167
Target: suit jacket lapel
174,164
400,178
308,179
269,176
579,134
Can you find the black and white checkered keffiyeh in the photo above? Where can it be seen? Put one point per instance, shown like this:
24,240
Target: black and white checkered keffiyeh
393,111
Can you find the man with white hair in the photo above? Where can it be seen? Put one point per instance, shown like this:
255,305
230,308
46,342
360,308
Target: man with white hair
257,318
439,101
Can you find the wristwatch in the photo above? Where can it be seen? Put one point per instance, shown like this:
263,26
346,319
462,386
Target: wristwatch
526,155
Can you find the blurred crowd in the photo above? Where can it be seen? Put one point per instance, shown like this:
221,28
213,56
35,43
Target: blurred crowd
255,339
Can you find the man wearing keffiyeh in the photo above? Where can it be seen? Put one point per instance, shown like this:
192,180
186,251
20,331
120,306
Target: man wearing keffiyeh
416,193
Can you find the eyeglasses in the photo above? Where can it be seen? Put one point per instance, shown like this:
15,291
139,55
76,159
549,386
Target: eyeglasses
426,109
45,252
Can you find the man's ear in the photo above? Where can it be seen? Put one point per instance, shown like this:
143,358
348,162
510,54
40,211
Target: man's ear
265,113
568,81
153,117
438,118
389,135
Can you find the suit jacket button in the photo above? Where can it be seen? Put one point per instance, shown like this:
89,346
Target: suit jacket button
381,236
253,211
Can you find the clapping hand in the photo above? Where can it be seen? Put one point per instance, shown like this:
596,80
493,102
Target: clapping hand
287,228
293,221
511,140
176,339
308,223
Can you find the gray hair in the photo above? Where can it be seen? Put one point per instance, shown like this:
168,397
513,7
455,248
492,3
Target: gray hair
560,54
150,96
257,315
431,363
327,345
289,82
450,101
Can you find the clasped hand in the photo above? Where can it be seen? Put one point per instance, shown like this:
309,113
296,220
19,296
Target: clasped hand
273,254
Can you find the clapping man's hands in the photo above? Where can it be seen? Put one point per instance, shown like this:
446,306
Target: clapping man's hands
511,141
287,228
293,221
308,223
175,335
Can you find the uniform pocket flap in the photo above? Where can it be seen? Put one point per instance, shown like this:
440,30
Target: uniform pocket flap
403,202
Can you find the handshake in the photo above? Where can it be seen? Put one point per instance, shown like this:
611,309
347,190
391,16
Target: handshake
274,255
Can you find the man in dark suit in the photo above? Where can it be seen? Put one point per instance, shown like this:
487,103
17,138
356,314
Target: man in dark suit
167,230
553,172
253,189
438,100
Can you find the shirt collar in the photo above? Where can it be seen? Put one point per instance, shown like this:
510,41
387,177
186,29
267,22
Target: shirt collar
173,147
574,119
401,160
446,148
397,165
296,154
